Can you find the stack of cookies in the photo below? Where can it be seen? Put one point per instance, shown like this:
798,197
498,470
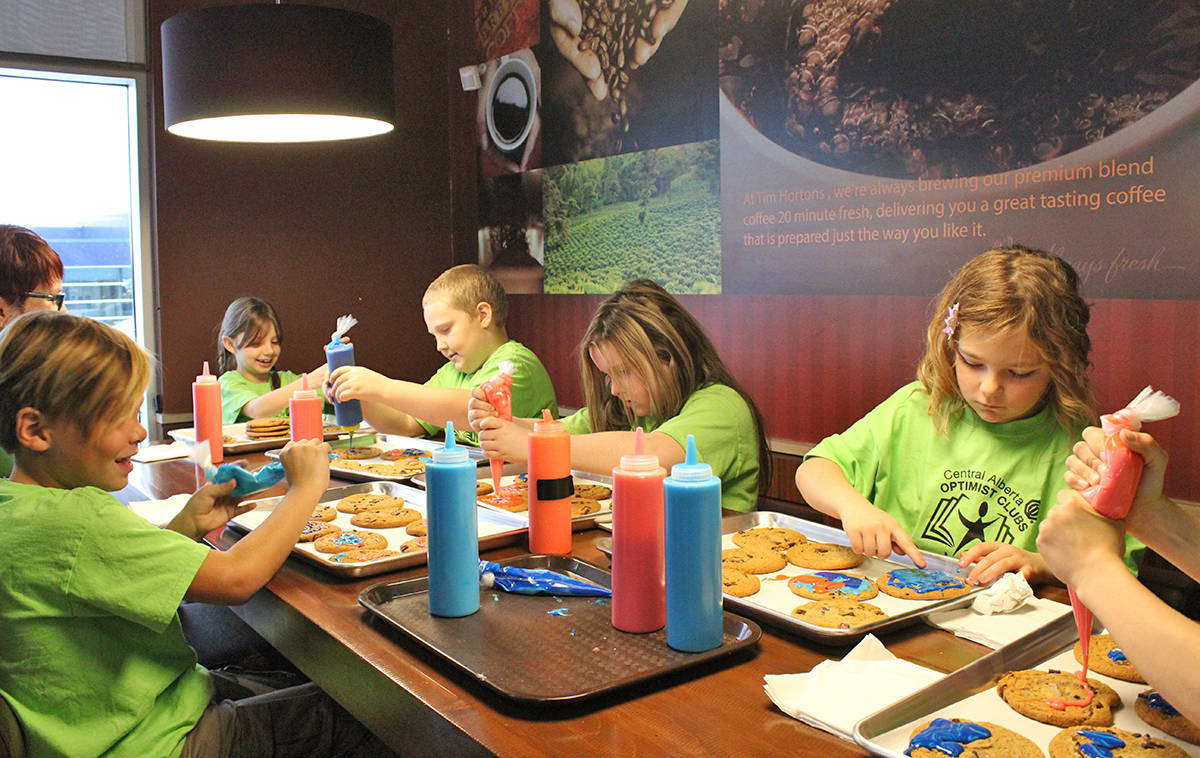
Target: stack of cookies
267,428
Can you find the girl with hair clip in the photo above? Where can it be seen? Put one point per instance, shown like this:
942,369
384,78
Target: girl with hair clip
647,362
247,350
966,461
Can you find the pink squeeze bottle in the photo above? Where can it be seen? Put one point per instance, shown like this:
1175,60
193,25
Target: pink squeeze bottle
304,412
498,391
1113,496
638,542
206,413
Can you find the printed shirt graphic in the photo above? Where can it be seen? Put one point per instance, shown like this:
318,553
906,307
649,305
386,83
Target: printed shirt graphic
985,483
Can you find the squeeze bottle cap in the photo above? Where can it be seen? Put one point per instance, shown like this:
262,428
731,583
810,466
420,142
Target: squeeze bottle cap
205,377
639,460
304,390
546,424
450,452
691,470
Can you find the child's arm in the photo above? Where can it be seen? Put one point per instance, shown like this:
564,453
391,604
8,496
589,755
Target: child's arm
393,406
1085,550
208,509
232,576
871,530
276,401
995,559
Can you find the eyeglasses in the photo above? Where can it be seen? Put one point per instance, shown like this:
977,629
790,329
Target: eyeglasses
56,299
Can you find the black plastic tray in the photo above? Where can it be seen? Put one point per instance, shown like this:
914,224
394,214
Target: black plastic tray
538,648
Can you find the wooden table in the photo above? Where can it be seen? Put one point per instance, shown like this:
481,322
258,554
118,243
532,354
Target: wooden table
420,704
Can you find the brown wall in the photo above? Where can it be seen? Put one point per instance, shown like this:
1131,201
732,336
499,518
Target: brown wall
815,364
318,230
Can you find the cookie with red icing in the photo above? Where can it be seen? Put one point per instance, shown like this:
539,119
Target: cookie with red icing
1058,698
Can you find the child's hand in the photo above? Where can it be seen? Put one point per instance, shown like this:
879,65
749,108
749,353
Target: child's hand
357,383
208,509
1074,538
995,559
306,465
502,439
318,376
875,533
478,409
1084,469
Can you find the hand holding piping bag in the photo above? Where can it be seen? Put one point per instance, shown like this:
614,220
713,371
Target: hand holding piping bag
498,390
1119,478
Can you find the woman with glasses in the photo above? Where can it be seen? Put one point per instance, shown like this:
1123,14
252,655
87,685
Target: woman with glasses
31,276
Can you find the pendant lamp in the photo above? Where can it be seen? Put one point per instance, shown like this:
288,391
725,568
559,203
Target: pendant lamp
277,73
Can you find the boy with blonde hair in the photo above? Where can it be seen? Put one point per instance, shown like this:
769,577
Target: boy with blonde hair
94,660
465,310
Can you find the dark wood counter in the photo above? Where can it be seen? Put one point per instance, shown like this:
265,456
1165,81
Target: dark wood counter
416,702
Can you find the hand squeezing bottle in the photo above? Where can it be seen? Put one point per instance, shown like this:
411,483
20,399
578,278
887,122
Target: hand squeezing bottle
638,601
498,390
1113,496
338,354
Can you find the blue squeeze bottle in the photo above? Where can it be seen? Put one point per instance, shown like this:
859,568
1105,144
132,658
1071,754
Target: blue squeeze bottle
453,541
693,555
338,354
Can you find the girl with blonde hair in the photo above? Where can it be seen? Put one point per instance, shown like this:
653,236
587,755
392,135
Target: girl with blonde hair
967,460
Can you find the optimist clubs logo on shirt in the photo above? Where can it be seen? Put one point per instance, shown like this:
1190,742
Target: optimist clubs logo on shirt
976,505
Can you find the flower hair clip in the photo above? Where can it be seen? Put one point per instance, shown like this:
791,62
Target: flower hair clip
951,321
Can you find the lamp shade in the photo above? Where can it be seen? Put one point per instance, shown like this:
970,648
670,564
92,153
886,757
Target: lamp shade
277,73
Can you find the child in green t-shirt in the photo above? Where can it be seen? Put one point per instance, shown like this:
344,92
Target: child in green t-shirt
94,658
647,362
247,352
465,309
967,460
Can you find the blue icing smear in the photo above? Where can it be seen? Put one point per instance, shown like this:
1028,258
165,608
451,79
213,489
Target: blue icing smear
1116,656
924,580
851,585
947,737
1101,745
1159,703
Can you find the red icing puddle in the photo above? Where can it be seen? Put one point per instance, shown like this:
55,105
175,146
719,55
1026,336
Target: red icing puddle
1058,703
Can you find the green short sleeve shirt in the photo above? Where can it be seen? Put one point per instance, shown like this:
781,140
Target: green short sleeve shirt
237,390
94,659
532,389
726,439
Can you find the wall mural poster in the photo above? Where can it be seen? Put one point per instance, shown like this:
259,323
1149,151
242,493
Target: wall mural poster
626,76
510,231
871,146
504,26
654,214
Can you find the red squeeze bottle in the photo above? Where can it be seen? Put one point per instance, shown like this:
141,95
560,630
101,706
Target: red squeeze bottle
550,487
638,561
304,409
498,391
206,413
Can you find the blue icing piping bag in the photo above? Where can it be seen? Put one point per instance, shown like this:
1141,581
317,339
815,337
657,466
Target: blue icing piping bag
536,581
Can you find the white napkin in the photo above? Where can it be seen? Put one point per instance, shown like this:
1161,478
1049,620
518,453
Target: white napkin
1006,594
998,630
162,452
160,512
835,695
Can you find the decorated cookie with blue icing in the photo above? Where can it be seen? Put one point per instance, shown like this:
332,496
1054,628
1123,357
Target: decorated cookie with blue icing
1104,657
921,584
1110,742
349,540
826,585
1154,709
957,737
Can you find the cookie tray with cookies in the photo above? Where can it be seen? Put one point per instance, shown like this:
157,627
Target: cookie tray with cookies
773,601
541,649
592,498
404,547
396,460
237,441
970,693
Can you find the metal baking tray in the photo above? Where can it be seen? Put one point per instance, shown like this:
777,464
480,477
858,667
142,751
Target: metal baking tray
775,602
970,693
601,518
392,443
241,443
543,649
494,529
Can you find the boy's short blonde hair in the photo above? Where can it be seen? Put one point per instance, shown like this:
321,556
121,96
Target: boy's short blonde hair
70,368
468,285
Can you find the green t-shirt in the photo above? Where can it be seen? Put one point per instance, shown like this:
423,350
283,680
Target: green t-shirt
93,658
237,390
6,464
532,389
726,439
985,483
